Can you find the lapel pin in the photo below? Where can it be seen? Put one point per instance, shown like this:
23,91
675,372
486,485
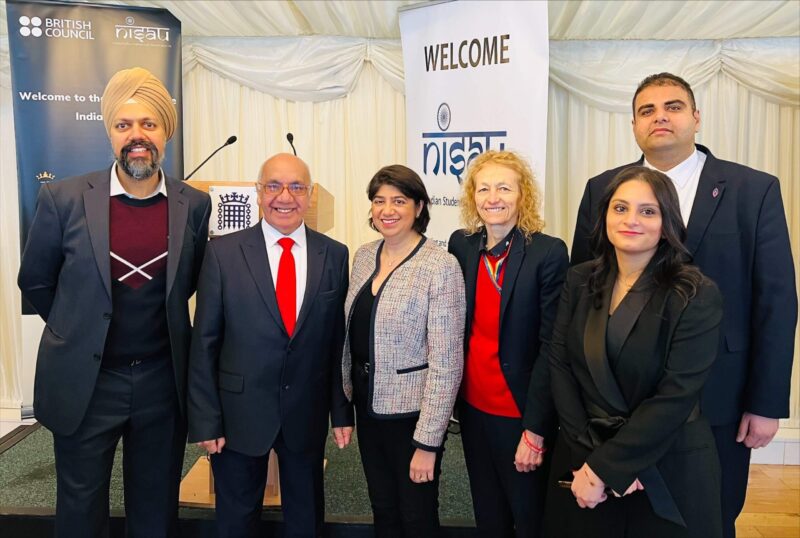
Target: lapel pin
715,192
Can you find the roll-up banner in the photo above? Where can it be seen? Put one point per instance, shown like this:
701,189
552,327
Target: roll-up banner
476,77
62,56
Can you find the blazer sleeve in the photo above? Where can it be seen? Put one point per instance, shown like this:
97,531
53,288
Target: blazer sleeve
539,415
655,423
773,312
203,405
446,315
201,239
581,243
565,388
341,408
43,256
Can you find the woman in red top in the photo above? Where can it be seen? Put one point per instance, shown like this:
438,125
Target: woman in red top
513,275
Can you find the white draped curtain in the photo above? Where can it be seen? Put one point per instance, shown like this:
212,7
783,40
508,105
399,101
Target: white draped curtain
342,97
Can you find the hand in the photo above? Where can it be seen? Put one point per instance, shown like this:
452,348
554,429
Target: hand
421,468
527,460
636,486
213,446
756,431
587,487
342,435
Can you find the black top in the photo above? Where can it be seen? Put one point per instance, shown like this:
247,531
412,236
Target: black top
360,327
360,333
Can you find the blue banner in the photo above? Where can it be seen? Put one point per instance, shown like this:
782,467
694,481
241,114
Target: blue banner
62,56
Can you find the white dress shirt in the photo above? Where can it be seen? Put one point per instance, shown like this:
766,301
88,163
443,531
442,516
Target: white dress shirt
685,176
117,188
299,252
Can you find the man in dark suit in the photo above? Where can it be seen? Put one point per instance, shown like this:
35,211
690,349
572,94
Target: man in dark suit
738,237
265,361
111,260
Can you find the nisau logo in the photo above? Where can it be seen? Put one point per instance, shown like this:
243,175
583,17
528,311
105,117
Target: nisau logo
130,31
450,153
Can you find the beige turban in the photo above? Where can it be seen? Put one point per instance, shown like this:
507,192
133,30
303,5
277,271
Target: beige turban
142,86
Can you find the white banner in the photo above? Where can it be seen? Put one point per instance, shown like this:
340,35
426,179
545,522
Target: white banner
476,79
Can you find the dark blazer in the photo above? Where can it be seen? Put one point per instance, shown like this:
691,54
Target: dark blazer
667,354
66,275
248,379
533,279
738,237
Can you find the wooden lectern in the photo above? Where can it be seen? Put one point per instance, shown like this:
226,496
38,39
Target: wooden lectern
197,488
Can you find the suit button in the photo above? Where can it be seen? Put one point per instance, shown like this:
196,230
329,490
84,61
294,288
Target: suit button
106,315
286,387
505,365
96,356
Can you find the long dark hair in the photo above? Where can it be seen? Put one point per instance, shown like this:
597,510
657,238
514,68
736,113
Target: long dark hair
671,264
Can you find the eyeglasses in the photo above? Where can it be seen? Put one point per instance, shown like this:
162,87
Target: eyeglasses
274,188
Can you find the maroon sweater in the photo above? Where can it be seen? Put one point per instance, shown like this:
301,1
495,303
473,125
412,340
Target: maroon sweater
138,233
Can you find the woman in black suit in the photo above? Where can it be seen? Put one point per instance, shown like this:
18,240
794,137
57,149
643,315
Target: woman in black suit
513,274
634,340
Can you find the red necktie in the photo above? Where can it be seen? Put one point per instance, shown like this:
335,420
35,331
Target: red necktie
286,288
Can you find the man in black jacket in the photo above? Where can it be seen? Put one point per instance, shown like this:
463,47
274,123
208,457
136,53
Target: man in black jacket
111,260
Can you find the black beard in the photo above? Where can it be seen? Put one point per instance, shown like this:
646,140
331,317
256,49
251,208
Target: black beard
140,168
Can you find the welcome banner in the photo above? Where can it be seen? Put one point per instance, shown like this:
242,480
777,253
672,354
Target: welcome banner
476,78
62,56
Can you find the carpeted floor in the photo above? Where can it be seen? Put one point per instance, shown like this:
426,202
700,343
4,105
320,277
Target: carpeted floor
27,479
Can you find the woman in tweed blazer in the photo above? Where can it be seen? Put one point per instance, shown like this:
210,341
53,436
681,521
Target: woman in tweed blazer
403,354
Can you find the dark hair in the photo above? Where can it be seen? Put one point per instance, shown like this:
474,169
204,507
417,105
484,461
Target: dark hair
664,79
671,262
409,183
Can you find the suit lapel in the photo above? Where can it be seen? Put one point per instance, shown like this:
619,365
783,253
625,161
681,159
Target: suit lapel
178,213
315,249
254,250
96,207
631,307
471,268
710,191
594,350
513,264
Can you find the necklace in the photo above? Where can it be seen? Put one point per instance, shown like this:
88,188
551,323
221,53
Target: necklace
392,260
624,281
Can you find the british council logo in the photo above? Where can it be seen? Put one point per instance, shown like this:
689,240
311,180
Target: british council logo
30,26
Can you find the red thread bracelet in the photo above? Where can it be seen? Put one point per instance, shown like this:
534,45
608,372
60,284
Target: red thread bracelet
537,449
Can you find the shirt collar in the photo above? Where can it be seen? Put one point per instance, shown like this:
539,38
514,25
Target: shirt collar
682,172
116,187
500,247
271,235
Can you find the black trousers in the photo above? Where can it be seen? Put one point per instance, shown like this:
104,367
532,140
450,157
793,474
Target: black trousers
506,502
239,482
400,507
734,461
139,405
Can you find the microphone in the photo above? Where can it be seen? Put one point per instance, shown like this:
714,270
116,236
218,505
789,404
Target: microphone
290,138
231,139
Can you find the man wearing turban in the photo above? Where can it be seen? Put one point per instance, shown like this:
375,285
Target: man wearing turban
111,260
